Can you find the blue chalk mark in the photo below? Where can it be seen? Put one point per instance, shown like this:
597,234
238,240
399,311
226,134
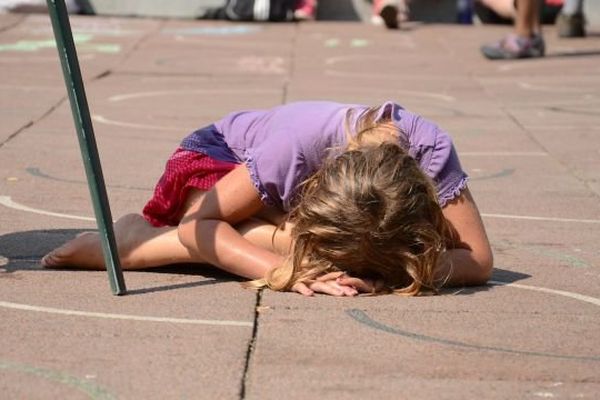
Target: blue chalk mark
91,389
363,318
39,174
558,256
545,251
505,172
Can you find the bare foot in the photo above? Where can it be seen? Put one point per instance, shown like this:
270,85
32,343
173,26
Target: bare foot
142,245
85,251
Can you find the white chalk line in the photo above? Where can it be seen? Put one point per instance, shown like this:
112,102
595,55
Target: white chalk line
8,202
31,88
513,66
564,293
60,311
30,59
77,313
550,89
504,153
548,219
106,121
418,93
129,96
430,95
136,95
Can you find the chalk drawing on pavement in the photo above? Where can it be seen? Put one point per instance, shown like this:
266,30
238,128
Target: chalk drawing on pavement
225,30
91,389
363,318
34,171
82,41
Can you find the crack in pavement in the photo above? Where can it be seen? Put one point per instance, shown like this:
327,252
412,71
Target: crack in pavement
33,122
251,346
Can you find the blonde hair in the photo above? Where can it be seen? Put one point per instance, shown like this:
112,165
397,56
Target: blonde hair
370,212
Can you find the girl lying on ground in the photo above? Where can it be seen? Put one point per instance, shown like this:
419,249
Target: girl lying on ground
309,197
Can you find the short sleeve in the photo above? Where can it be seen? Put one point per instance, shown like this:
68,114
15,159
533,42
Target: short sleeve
275,170
282,146
433,149
445,169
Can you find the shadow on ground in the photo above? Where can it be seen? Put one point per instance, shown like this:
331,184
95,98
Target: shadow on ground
498,275
22,251
582,53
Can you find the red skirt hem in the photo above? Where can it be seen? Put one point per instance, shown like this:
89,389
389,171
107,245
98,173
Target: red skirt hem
185,170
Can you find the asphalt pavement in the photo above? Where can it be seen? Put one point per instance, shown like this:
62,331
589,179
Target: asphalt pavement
527,132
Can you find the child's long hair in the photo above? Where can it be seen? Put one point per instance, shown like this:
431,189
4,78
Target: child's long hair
370,212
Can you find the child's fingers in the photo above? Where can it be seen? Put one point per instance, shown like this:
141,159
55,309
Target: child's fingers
327,288
330,276
301,288
346,290
349,290
362,285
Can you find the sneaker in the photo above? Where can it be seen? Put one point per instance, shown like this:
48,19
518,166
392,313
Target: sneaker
570,26
513,46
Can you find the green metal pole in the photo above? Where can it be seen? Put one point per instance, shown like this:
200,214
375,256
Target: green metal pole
87,142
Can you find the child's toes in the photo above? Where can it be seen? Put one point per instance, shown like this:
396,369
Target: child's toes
57,258
49,260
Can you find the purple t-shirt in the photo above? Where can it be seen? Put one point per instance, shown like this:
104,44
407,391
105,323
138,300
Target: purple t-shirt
284,145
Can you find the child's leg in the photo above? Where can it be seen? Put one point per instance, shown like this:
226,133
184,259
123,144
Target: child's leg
267,229
141,245
527,22
527,41
504,8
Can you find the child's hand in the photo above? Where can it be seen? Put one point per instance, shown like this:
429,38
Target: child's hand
326,284
369,286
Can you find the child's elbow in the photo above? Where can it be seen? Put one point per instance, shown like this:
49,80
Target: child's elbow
486,266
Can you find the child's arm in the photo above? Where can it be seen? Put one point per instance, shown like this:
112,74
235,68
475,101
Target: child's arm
207,231
472,263
207,227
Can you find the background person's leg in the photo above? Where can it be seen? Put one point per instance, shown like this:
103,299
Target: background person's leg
503,8
527,22
526,41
